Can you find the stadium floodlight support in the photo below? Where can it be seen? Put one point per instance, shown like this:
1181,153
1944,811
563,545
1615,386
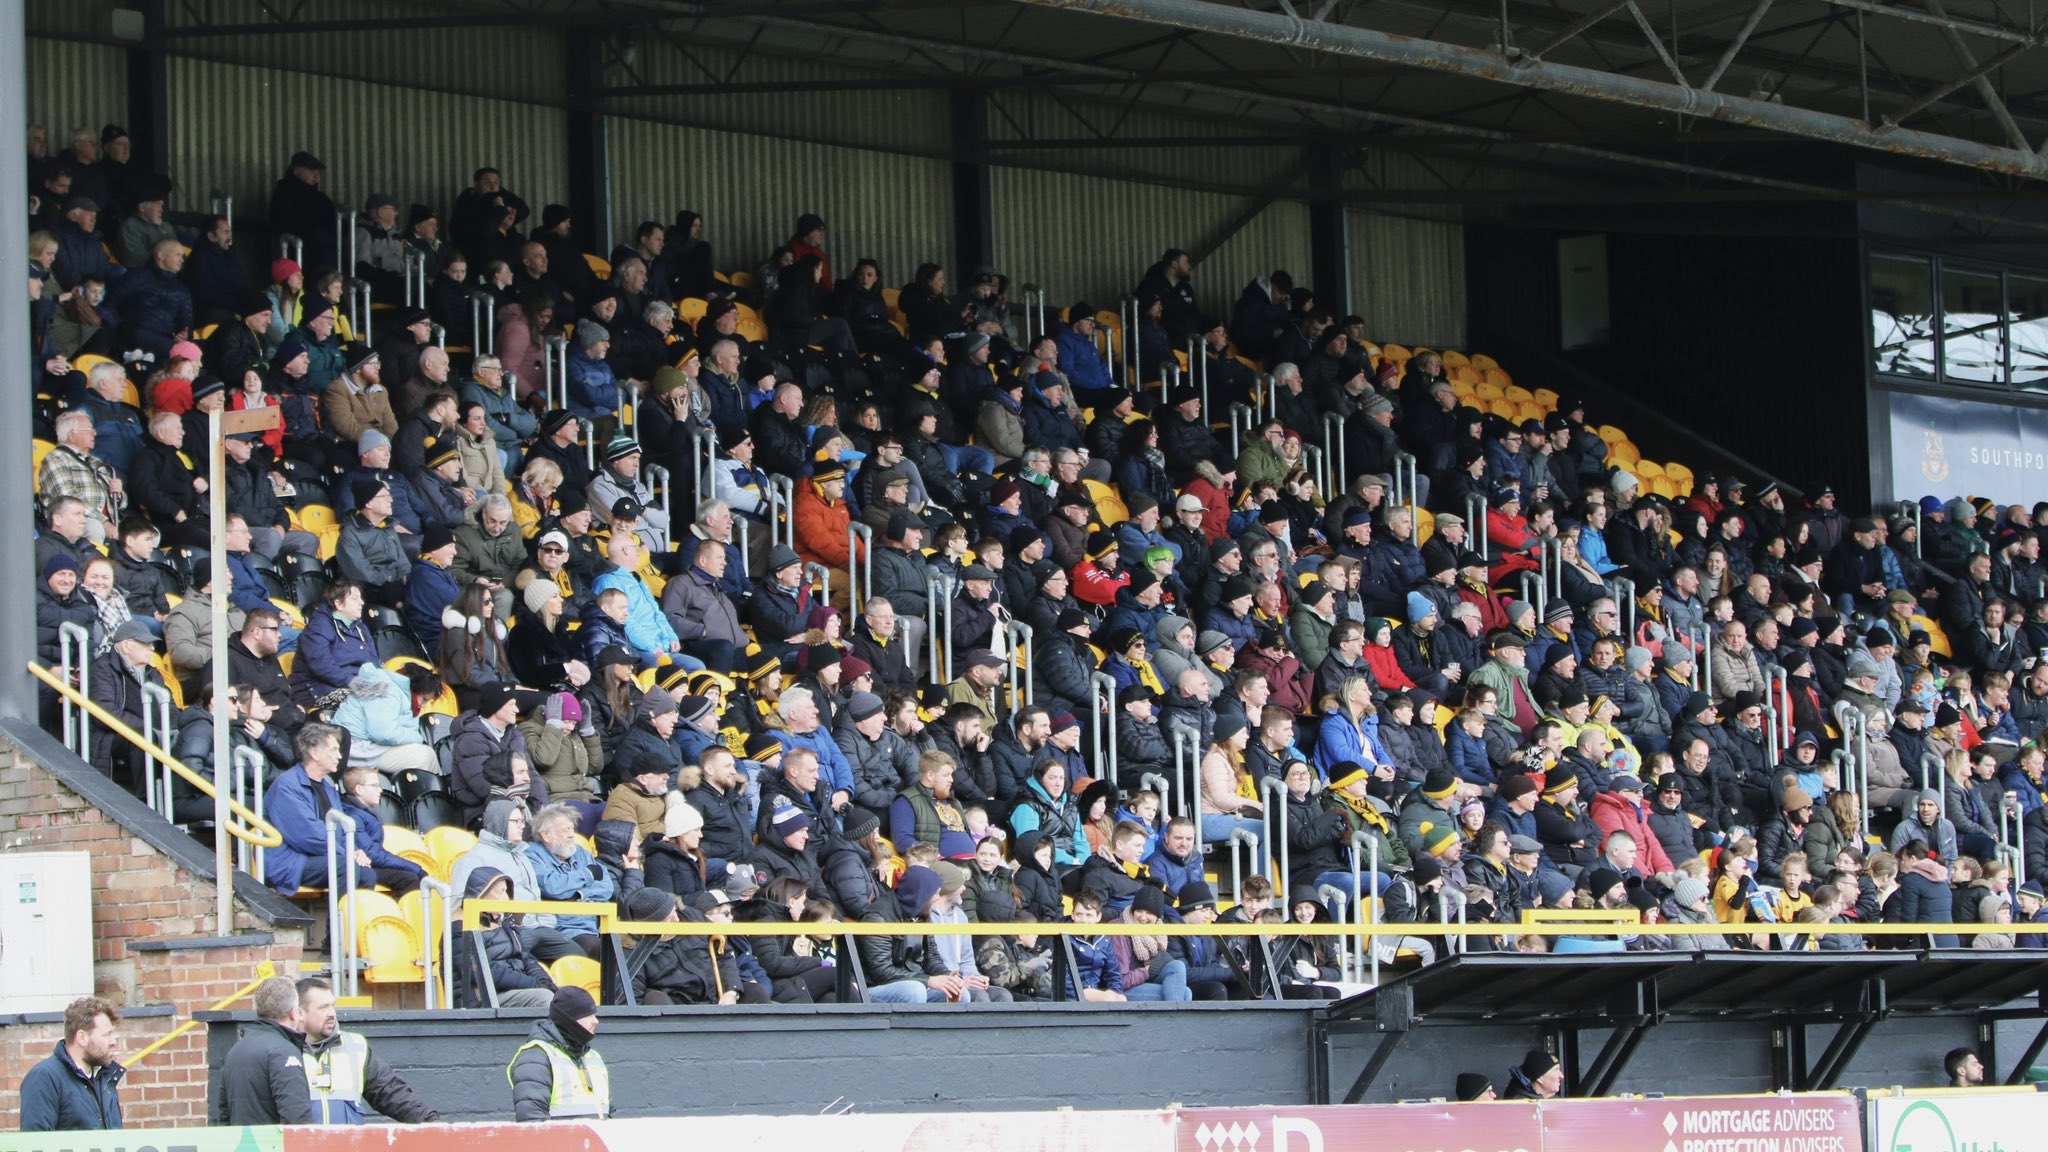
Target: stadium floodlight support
249,765
1528,71
341,905
1273,802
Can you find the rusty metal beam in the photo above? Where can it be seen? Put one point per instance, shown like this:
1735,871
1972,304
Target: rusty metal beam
1454,59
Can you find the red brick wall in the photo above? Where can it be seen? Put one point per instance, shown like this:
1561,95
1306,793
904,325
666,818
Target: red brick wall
137,893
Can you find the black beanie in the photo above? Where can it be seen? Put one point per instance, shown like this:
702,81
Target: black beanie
570,1005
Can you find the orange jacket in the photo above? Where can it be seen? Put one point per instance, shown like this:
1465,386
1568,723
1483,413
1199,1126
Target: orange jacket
820,528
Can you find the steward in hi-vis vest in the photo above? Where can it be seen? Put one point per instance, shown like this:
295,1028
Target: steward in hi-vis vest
556,1074
343,1077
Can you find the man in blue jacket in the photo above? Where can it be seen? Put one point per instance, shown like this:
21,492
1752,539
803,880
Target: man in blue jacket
297,804
1079,358
78,1087
802,729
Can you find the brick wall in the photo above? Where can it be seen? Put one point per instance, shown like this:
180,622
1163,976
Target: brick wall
138,894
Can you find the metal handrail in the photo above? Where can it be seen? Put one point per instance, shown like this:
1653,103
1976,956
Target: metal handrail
860,564
1269,394
782,496
1333,451
249,765
1623,590
1102,686
1346,964
1778,692
1186,746
1312,458
1932,769
1476,527
627,414
1360,913
1160,787
703,441
483,325
555,366
739,527
415,278
938,609
1405,493
341,908
1703,662
1551,563
290,247
432,891
1019,635
1239,427
156,728
821,576
359,308
1238,867
1273,798
74,652
254,828
660,485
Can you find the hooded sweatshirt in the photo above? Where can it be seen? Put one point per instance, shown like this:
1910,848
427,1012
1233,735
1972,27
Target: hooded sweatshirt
493,850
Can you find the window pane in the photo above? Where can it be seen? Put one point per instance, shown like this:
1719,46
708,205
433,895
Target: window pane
1972,327
1902,315
2027,299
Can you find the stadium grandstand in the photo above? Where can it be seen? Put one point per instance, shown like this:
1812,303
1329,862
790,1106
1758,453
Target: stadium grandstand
657,558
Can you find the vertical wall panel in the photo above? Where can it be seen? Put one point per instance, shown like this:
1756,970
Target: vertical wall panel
750,189
1408,279
1088,237
72,84
233,127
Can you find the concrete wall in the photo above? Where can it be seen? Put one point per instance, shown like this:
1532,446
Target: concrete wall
791,1061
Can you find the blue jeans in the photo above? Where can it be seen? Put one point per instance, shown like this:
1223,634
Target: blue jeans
908,992
1217,827
968,458
1171,985
1373,882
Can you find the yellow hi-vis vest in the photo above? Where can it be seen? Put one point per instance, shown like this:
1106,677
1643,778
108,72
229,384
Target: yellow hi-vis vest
334,1078
580,1090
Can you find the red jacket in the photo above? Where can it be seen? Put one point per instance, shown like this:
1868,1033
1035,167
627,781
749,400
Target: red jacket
1386,669
820,527
1094,586
1612,812
1290,685
802,250
1215,507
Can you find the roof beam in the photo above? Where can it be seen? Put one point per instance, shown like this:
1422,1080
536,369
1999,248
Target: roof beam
1458,60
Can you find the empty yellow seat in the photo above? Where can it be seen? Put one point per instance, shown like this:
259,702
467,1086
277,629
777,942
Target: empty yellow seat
578,972
1109,505
1466,392
739,279
1482,361
1425,526
1546,397
1453,358
1646,470
1463,372
316,518
1679,473
691,308
1623,456
599,265
1517,393
391,947
37,450
1497,376
1530,410
1396,353
447,843
1487,391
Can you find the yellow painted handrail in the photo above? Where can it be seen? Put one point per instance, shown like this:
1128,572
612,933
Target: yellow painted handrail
608,921
264,971
253,830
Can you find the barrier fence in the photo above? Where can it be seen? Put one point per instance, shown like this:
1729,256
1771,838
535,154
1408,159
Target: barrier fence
1878,1120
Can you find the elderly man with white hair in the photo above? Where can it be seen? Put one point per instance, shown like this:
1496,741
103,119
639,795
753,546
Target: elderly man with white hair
70,469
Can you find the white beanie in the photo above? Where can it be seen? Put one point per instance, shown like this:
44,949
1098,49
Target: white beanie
680,819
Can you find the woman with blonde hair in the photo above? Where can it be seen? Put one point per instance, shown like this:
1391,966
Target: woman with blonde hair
533,498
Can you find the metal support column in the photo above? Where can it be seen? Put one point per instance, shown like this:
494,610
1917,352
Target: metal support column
973,194
149,103
1329,243
17,567
590,182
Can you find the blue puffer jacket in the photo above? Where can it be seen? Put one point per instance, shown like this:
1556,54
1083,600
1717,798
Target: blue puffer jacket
1080,361
576,878
378,713
155,305
593,391
296,806
1339,740
1095,962
81,254
1468,755
329,654
647,627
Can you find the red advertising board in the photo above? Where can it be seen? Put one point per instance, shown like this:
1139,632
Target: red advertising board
1813,1123
1375,1128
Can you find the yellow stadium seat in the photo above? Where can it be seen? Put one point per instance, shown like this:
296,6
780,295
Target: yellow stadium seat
1455,359
691,308
447,843
599,265
1530,410
1610,433
1371,349
1547,398
746,312
890,296
162,663
1937,637
1646,470
1623,456
398,841
1679,473
1109,505
1465,392
1663,486
578,972
392,949
316,518
586,843
1487,392
1503,408
753,330
1517,393
1497,376
1425,526
1482,361
1396,353
1463,372
37,450
284,660
739,279
365,905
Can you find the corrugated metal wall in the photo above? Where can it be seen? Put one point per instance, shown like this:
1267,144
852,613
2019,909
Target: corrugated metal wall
73,85
233,127
751,189
1408,278
1089,237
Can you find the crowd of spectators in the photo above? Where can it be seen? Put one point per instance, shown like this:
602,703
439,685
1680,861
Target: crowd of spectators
453,602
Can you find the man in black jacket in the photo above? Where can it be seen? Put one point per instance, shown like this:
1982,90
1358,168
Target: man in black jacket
263,1080
77,1087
